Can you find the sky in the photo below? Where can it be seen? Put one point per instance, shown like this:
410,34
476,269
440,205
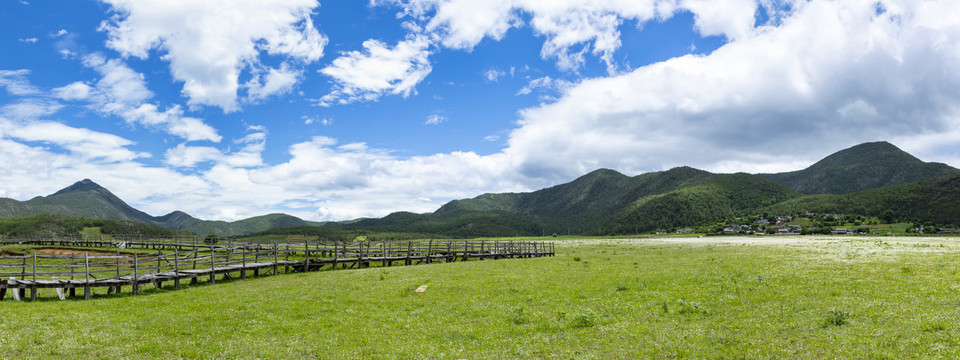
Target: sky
340,109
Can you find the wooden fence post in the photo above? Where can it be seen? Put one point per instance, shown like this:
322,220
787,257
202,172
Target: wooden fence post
213,266
119,287
306,251
176,268
86,275
33,287
335,256
276,257
73,290
136,269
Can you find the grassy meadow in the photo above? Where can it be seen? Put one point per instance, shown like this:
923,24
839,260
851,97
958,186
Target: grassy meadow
717,297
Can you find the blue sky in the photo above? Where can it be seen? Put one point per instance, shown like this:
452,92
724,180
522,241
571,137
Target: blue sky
333,110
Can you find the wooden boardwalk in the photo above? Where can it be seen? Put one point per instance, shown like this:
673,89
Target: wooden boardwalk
177,262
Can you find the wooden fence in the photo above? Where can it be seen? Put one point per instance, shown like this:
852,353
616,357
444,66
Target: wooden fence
176,262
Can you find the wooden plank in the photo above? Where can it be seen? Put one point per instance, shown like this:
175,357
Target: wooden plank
59,292
16,291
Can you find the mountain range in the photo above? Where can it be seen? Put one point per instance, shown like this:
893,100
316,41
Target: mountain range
869,179
87,199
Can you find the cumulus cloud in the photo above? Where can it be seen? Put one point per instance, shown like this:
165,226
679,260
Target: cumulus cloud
378,70
836,72
32,40
209,43
74,91
571,28
829,73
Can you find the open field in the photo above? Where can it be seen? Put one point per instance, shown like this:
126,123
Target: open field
716,297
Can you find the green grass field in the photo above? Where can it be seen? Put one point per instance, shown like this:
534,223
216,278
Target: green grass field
716,297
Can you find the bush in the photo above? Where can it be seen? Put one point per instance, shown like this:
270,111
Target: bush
211,239
835,317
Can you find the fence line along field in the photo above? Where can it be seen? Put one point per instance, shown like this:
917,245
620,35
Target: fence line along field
176,260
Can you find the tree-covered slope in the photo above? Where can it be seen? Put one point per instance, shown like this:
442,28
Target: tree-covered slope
458,223
603,201
935,200
50,224
865,166
84,198
719,196
582,204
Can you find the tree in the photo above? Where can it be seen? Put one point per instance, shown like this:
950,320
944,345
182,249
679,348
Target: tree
887,216
211,239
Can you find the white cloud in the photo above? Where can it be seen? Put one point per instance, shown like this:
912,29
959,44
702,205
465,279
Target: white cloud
170,120
249,155
85,144
118,82
435,119
826,76
74,91
312,120
379,69
32,40
60,33
30,109
836,72
571,28
493,75
210,43
545,83
275,82
16,83
123,92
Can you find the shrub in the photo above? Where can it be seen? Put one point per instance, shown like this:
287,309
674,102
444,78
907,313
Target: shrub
835,317
211,239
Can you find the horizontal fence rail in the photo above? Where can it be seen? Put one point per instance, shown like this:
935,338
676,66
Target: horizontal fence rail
176,261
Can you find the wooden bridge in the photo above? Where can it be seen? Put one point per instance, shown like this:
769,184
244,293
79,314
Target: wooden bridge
178,261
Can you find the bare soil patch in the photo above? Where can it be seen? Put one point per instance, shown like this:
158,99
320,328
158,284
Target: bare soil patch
68,252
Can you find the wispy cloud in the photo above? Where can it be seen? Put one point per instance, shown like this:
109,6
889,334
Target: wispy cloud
16,83
435,119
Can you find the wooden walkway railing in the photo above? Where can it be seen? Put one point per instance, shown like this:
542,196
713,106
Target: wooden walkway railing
114,271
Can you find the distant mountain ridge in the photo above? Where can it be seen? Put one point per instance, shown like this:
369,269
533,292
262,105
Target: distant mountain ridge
865,166
864,179
605,201
88,199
